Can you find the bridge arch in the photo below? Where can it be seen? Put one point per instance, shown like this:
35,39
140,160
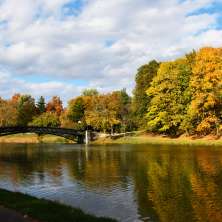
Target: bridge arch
71,134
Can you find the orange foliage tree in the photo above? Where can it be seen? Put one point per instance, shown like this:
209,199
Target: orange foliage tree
55,105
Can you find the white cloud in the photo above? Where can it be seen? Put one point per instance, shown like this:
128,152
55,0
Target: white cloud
104,44
9,86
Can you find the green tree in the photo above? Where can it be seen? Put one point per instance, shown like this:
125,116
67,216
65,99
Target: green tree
41,105
170,95
141,100
26,109
76,109
90,92
124,112
48,119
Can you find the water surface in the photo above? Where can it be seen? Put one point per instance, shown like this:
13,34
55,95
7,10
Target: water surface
126,182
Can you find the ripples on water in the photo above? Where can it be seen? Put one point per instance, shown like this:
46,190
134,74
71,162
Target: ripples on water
129,183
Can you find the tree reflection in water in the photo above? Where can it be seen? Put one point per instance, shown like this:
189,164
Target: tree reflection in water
127,182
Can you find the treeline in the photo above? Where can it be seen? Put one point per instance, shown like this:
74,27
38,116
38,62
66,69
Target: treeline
175,97
184,96
102,112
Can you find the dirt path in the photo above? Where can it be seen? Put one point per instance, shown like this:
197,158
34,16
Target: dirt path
7,215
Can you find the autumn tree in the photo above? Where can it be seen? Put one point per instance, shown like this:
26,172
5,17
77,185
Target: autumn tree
8,113
55,105
144,77
204,112
169,93
103,115
65,122
74,115
15,98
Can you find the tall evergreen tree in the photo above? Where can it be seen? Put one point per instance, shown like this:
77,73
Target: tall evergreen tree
41,105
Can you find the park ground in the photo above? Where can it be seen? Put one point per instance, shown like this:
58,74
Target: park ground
136,138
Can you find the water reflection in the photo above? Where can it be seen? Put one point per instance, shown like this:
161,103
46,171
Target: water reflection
130,183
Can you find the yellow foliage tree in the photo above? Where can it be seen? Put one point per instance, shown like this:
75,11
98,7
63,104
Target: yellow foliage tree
204,112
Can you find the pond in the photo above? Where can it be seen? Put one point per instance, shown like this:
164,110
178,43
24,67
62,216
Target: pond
126,182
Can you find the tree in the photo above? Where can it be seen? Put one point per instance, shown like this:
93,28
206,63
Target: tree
124,111
8,113
48,119
26,109
204,112
103,115
76,108
55,105
65,122
41,105
90,92
141,100
169,93
15,98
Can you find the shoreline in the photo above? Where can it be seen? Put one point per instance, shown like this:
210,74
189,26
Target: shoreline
150,139
137,138
44,210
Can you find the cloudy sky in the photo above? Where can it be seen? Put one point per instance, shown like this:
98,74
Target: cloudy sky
60,47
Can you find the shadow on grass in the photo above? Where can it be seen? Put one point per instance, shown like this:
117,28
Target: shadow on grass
44,210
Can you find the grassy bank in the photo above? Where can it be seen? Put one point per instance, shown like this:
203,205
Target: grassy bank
43,210
138,138
33,138
161,140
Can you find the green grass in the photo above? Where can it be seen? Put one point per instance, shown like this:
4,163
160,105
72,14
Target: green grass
138,138
160,140
33,138
45,211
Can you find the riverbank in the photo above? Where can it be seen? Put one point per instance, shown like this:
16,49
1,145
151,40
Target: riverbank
143,138
43,210
33,138
136,138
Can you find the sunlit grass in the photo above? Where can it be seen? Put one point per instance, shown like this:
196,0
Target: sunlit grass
155,139
33,138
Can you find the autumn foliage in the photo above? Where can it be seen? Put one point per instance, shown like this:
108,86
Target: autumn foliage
187,95
174,97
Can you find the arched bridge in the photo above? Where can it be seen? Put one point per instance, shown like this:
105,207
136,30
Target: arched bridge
78,136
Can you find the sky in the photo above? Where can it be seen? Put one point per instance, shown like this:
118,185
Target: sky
60,47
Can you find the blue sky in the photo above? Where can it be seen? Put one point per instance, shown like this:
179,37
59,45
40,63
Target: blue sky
60,47
214,8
